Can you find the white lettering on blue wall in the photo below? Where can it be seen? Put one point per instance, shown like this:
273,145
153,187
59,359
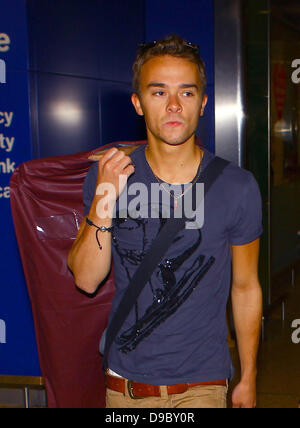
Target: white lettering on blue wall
2,71
2,331
7,167
4,42
5,192
6,118
4,47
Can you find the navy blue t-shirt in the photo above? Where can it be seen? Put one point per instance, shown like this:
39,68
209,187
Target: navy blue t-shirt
177,331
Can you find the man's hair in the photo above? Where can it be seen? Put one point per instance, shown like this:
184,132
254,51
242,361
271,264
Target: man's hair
171,45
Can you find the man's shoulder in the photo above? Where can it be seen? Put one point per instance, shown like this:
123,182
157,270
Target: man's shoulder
92,173
137,154
233,173
235,179
237,175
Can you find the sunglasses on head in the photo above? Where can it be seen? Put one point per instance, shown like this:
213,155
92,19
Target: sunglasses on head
149,45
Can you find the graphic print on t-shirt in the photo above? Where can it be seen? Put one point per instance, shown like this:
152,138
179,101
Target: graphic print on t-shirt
172,291
192,343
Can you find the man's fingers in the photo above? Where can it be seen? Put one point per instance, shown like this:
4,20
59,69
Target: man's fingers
109,154
127,150
129,170
116,159
123,163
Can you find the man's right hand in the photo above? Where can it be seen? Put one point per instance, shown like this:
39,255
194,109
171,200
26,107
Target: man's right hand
114,168
89,265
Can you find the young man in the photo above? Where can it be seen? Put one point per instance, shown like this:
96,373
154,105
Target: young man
180,359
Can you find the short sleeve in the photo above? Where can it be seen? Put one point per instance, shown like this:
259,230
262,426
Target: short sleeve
89,187
247,221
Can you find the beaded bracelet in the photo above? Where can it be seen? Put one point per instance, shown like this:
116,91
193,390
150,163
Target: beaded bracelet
99,228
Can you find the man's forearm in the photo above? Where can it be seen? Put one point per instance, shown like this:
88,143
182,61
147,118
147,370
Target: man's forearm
247,313
88,263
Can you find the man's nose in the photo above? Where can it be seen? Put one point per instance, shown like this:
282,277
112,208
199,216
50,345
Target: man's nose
174,105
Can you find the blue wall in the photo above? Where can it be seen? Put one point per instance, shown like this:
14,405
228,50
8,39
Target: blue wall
81,54
18,353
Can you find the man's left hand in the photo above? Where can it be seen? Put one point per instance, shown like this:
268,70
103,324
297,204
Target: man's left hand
244,396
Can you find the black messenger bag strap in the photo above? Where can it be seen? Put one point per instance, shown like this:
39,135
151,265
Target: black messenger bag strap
154,256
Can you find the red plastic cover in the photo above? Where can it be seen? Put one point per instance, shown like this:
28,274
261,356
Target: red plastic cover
47,208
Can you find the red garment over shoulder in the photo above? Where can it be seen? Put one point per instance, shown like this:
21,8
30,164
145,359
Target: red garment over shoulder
47,208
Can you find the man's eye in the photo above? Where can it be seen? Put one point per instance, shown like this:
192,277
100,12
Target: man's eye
188,94
159,93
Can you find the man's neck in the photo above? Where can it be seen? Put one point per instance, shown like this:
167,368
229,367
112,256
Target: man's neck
174,163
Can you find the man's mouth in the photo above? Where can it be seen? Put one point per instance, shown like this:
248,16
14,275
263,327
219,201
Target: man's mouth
173,123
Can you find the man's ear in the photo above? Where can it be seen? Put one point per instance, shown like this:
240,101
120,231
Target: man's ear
204,102
137,104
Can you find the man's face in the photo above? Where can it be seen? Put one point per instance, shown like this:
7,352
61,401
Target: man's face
170,99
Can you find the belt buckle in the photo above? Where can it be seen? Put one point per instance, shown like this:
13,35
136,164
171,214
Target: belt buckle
130,391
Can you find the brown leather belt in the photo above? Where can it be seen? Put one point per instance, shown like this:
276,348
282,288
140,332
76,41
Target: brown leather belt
141,390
